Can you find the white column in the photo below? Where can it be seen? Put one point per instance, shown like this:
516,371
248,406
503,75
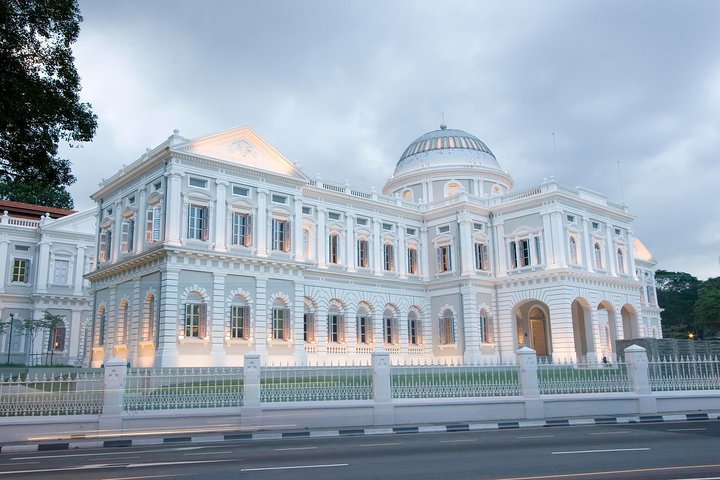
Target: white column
217,327
298,229
140,221
261,317
43,264
173,213
3,262
611,258
74,332
501,249
471,325
557,227
298,313
377,249
550,248
221,216
166,354
428,186
261,230
425,252
350,243
402,253
79,270
587,247
630,253
465,239
424,191
321,236
117,232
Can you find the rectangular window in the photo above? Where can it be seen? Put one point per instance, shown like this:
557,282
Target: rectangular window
280,330
411,231
524,247
333,216
127,238
21,270
361,221
195,320
478,227
239,191
157,186
22,248
571,218
413,332
306,210
412,261
335,328
618,232
363,254
152,225
387,226
334,249
444,260
389,258
57,338
281,235
389,325
595,225
197,182
309,327
485,329
241,225
60,276
278,199
444,229
447,330
239,317
197,222
363,330
481,256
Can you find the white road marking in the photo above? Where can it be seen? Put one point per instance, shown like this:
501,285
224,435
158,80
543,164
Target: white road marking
686,429
294,467
25,463
34,457
611,433
458,441
100,466
217,452
607,450
537,436
293,448
378,444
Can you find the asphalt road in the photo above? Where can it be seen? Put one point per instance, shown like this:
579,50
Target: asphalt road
683,450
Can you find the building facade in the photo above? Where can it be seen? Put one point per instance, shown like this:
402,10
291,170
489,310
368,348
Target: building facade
210,248
44,253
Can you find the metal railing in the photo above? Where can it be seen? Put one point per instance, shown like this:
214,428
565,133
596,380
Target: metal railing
439,381
313,384
685,373
62,392
173,388
588,377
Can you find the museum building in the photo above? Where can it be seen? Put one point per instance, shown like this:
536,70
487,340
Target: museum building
211,248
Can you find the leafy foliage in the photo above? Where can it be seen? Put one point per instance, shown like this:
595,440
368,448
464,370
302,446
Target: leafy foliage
36,193
39,92
677,293
707,308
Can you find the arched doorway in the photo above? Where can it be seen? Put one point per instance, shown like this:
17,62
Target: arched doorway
533,327
629,322
582,329
608,327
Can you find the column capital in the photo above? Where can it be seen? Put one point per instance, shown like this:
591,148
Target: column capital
221,182
263,191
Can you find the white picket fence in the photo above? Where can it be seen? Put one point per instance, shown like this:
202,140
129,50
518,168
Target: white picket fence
73,392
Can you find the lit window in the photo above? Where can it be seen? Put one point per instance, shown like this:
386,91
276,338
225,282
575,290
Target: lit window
447,328
408,195
412,261
241,229
389,257
486,329
414,335
334,248
197,222
481,256
152,224
363,253
444,258
105,253
56,340
60,276
281,235
239,321
21,270
195,322
127,235
280,323
364,329
335,328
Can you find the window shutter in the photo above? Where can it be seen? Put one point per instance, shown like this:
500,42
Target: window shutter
149,224
202,324
438,258
287,245
205,223
489,325
188,233
443,336
125,229
248,230
286,324
369,329
246,322
395,338
103,246
341,328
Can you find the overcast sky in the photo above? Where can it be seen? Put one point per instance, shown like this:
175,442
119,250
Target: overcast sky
342,87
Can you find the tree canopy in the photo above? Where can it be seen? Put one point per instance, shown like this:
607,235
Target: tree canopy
689,304
39,95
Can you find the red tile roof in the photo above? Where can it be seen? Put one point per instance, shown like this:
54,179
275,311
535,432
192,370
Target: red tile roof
29,210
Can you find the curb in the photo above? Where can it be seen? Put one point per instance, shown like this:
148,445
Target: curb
457,427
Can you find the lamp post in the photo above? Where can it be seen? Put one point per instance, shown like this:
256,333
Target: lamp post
12,321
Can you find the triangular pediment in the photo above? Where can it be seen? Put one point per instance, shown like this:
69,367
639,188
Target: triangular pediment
243,147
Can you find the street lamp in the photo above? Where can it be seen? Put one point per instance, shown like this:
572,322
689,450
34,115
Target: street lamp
12,321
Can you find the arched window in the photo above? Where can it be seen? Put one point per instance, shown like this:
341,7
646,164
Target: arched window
486,327
56,340
364,327
452,188
153,330
496,189
123,323
408,195
195,320
239,319
389,328
336,326
414,330
447,327
620,260
280,321
573,250
102,323
363,253
598,256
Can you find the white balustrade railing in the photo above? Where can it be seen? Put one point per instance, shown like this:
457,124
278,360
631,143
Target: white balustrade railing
172,388
63,392
438,381
686,373
312,384
591,377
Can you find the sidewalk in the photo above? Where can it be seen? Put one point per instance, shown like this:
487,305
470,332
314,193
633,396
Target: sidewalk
133,439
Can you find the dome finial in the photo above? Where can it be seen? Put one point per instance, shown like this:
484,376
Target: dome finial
442,125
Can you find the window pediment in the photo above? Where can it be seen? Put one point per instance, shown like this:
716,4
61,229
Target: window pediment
443,239
199,195
335,225
480,237
155,198
280,211
128,212
241,203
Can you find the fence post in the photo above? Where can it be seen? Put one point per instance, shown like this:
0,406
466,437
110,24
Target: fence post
113,394
382,394
529,385
638,370
251,413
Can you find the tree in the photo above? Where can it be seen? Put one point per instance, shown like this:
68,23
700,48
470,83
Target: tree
51,323
707,308
36,193
39,92
677,293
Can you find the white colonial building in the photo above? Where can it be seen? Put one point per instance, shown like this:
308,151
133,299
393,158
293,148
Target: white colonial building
44,253
210,248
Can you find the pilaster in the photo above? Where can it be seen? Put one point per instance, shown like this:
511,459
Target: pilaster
220,215
297,223
262,223
321,237
173,212
350,242
217,327
167,354
43,265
